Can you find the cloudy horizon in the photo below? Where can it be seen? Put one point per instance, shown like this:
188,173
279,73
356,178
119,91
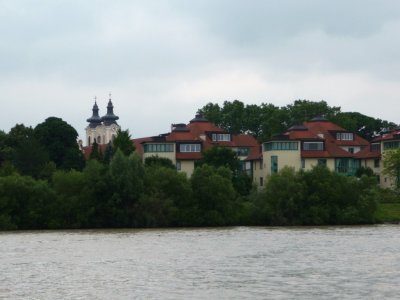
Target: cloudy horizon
163,60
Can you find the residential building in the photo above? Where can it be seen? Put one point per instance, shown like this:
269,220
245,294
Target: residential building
379,145
312,143
185,144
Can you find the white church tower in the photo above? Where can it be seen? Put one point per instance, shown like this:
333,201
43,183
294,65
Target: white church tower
102,130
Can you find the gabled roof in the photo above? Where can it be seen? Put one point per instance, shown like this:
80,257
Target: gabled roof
199,130
320,129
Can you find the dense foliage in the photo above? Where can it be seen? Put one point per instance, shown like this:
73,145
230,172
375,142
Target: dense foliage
316,197
127,193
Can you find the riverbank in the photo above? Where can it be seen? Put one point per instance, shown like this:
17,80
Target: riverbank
388,212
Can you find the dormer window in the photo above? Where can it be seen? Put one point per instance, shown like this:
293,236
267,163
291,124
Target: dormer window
344,136
221,137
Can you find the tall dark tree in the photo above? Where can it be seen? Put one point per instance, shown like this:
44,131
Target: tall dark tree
214,196
212,112
123,142
96,152
24,151
60,140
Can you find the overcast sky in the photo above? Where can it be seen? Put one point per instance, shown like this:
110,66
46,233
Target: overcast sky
162,60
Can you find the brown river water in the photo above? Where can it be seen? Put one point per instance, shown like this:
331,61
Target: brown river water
223,263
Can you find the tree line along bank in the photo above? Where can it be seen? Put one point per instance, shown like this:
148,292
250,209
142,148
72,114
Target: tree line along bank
46,183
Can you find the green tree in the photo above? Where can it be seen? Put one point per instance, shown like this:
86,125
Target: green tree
24,202
126,174
30,157
276,205
367,171
96,152
391,165
315,197
71,208
213,195
59,139
98,191
123,142
166,199
220,156
108,153
159,161
25,151
212,112
305,110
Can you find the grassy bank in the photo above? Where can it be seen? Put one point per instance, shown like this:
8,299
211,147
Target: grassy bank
388,212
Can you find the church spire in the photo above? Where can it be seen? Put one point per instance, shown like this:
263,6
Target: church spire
110,118
95,119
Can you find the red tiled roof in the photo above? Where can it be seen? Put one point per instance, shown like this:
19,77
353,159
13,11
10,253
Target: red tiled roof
200,132
323,130
139,144
367,153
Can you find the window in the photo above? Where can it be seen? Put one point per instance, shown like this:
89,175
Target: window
158,148
313,146
376,147
242,151
303,163
274,164
322,162
189,148
280,146
178,165
261,165
341,165
351,150
261,181
344,136
224,137
376,163
391,145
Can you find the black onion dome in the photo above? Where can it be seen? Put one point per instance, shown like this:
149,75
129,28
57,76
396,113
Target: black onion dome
110,118
95,119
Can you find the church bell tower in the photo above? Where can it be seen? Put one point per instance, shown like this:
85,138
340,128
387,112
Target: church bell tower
102,130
